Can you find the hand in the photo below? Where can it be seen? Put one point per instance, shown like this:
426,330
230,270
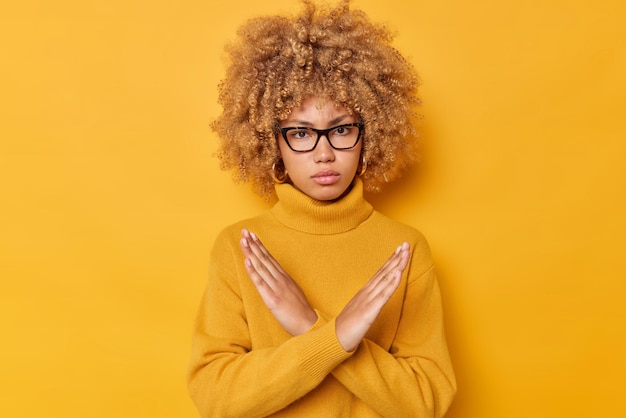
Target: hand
360,313
281,294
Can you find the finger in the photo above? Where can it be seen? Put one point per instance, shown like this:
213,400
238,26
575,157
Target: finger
387,286
402,259
385,283
266,253
250,254
257,279
397,260
265,290
253,240
256,264
244,242
264,265
260,270
263,260
259,249
254,249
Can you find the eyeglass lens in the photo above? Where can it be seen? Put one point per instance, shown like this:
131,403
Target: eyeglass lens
305,139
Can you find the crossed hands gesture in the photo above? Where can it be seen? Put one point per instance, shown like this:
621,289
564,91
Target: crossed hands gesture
289,305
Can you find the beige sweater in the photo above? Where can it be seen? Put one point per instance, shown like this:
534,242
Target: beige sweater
245,365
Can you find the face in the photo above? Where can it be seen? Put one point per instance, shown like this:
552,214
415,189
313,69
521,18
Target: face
323,173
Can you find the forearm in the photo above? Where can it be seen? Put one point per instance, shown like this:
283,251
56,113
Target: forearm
410,375
396,387
228,381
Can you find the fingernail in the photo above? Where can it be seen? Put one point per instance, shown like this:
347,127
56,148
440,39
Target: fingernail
398,249
253,236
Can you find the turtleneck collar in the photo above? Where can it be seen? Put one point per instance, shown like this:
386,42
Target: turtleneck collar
298,211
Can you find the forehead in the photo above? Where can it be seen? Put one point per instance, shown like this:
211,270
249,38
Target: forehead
318,109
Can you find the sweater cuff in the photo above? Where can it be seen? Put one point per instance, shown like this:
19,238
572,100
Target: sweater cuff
319,350
322,319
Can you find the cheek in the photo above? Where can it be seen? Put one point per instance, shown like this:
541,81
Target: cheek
291,160
280,144
356,156
283,152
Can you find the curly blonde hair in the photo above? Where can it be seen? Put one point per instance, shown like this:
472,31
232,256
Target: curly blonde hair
335,53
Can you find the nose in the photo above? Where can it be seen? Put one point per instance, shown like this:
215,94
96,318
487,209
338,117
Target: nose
323,151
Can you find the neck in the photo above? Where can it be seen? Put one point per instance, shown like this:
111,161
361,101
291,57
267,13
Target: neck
298,211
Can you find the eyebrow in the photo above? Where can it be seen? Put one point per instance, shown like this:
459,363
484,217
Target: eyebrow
330,123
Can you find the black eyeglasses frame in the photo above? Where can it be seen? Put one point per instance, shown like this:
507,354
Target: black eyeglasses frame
320,133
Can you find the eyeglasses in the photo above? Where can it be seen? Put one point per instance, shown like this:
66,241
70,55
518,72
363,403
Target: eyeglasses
341,137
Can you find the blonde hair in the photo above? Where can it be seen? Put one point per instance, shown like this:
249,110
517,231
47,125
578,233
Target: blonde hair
335,53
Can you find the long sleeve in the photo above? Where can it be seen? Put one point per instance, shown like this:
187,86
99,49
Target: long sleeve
230,377
244,364
415,377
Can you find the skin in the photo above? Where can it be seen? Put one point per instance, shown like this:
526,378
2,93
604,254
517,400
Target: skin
337,169
323,173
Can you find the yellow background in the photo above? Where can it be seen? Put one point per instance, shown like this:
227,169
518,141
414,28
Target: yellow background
110,198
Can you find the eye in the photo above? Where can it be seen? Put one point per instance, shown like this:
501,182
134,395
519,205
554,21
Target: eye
341,130
299,134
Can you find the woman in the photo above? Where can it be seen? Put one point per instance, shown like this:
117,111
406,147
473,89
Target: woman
321,306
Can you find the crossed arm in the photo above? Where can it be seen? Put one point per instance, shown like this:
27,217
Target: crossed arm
412,377
286,301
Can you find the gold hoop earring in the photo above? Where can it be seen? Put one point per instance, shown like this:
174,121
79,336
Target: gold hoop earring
363,165
277,179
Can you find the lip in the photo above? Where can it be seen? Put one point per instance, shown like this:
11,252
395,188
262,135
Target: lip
326,177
